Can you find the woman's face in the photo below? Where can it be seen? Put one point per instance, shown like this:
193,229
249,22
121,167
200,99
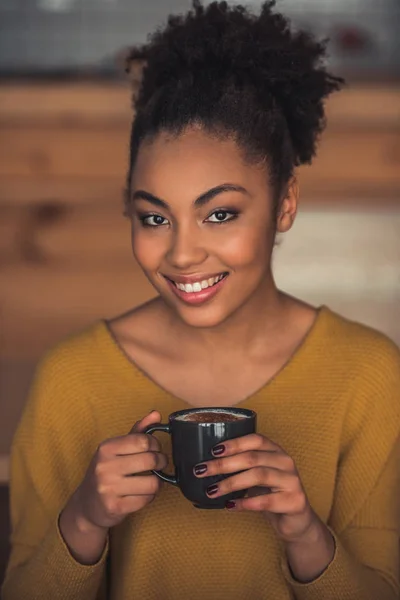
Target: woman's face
202,225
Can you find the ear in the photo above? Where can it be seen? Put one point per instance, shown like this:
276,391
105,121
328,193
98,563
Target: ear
288,207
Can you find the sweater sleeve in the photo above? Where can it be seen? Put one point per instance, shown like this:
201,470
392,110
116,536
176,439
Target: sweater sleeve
365,516
366,561
52,447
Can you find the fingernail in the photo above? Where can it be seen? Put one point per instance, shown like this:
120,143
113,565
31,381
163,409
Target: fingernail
200,469
217,450
212,489
230,504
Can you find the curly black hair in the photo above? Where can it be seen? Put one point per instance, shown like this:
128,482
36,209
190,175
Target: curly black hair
235,74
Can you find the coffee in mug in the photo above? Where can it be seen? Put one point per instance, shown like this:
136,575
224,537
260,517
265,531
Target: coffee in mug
194,433
212,416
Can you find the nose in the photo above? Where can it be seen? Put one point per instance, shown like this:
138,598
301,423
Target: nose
186,249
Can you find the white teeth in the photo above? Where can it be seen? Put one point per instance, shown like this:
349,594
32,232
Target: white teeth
198,286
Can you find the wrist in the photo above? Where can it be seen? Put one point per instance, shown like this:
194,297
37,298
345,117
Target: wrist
86,541
80,521
310,555
313,534
86,527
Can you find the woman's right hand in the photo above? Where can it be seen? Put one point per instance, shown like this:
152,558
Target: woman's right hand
114,486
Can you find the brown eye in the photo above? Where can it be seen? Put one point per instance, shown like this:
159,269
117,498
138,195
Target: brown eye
222,216
153,220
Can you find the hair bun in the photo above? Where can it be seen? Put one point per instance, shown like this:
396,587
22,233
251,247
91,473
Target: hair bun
221,47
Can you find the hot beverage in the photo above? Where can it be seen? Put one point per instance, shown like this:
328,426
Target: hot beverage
218,416
194,433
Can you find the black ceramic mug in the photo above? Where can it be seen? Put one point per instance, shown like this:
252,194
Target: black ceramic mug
194,434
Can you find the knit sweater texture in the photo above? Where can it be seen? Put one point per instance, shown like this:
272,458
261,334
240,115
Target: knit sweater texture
334,408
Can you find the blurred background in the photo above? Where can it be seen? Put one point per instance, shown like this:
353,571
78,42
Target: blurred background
65,256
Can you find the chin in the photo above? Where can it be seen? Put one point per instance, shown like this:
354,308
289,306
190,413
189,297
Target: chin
211,314
204,317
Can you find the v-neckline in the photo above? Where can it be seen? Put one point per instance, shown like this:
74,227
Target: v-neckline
132,371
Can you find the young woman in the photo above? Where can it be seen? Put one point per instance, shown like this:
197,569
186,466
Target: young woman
230,103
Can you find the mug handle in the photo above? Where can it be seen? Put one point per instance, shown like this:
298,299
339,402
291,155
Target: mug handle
167,429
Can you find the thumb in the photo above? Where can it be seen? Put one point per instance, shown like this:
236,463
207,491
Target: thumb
153,417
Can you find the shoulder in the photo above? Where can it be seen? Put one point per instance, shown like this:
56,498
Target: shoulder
368,353
59,405
70,375
57,433
368,363
73,356
90,366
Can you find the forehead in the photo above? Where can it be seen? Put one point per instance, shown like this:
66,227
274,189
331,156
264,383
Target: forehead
194,161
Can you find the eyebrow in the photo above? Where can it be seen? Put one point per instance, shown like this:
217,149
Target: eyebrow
200,201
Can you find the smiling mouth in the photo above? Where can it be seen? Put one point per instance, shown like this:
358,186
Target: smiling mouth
198,286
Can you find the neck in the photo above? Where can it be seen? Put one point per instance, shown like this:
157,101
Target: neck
246,329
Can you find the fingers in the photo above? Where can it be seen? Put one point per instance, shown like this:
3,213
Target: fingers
245,460
278,503
118,507
138,485
133,443
131,464
153,417
259,476
253,441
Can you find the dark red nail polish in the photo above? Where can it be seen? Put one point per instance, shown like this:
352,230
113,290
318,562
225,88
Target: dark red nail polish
230,504
200,469
217,450
212,489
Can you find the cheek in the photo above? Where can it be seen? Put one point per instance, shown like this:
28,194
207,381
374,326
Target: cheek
148,248
250,248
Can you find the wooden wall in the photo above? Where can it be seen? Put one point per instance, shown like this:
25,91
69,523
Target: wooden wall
65,256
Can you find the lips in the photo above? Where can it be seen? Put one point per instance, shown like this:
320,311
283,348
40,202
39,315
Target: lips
179,278
198,290
197,285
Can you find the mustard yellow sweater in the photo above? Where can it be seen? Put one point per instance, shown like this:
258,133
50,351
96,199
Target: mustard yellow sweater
335,408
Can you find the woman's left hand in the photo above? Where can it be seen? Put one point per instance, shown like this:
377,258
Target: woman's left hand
273,482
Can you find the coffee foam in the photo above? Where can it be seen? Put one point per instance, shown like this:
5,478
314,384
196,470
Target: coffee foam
219,411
